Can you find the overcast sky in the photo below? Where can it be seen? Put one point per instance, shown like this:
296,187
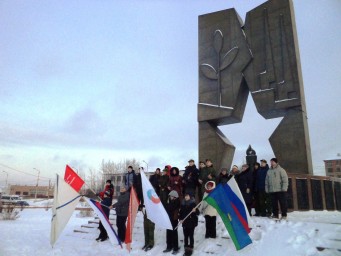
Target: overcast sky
83,81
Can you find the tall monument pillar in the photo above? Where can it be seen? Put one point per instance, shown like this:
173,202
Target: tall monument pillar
260,57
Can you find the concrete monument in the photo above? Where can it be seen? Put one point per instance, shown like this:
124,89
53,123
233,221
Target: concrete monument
260,57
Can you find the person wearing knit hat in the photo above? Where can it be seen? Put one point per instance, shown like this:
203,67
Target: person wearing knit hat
172,207
106,203
276,183
209,212
188,217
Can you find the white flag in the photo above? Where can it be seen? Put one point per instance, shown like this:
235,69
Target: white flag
154,208
234,186
64,203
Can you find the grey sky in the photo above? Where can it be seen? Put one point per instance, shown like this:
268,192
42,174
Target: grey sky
118,79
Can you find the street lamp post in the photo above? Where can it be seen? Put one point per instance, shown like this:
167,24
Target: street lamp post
146,164
35,197
6,178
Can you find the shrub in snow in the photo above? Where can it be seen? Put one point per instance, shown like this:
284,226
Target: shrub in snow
9,212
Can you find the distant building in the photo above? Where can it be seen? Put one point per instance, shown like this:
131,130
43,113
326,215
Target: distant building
31,191
333,166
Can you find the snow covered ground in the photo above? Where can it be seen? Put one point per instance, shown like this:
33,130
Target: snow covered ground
300,235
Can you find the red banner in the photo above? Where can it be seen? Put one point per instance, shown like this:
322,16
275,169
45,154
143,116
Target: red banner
72,178
133,208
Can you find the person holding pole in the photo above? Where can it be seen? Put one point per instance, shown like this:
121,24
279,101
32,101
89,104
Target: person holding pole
209,212
172,207
188,217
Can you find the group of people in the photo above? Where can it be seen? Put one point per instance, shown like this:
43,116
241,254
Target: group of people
262,188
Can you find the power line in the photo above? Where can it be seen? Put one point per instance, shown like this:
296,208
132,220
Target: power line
13,169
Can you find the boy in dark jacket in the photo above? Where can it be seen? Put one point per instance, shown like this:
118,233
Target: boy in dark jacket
121,207
172,208
105,204
189,224
245,184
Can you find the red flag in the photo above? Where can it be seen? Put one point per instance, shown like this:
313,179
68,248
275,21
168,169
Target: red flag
133,208
73,179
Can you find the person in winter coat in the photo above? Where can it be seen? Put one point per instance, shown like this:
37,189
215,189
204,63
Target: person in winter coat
262,197
223,177
129,178
200,182
122,207
105,204
254,200
108,187
245,182
207,174
148,229
175,181
190,178
189,224
155,181
172,208
137,184
163,184
276,183
234,171
209,212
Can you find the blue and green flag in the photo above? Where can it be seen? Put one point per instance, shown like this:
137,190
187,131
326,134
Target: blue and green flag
232,211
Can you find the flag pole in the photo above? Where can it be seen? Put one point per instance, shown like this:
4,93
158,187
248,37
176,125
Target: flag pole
100,199
188,214
92,191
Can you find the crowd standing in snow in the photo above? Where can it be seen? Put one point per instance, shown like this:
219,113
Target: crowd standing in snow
262,188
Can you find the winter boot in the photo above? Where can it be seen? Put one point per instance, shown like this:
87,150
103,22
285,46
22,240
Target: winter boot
188,251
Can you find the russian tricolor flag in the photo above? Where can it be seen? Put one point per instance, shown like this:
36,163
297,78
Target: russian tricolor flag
232,211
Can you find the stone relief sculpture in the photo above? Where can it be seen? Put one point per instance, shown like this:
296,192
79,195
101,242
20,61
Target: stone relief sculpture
260,57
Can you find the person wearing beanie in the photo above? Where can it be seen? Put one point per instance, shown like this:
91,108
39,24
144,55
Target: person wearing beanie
172,207
163,184
209,212
106,203
188,225
276,183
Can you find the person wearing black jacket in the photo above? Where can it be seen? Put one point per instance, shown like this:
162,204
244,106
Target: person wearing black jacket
105,204
172,207
122,207
188,224
223,177
155,181
190,178
245,184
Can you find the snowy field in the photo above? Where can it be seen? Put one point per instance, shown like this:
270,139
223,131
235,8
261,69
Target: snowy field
302,234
